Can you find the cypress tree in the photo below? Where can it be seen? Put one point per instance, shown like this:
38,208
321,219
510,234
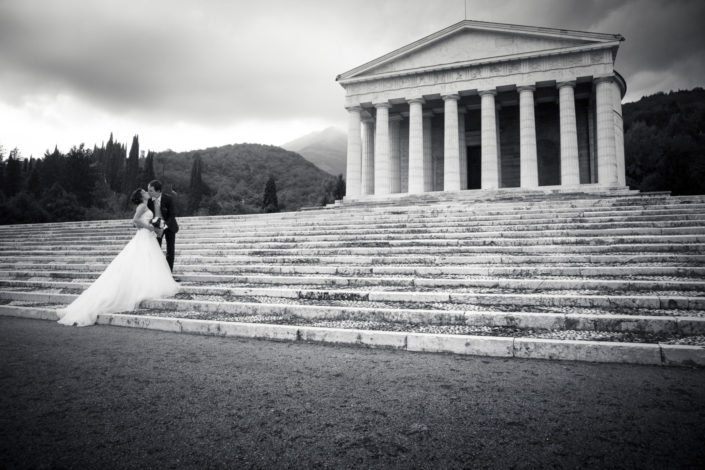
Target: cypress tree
196,186
115,164
270,202
148,169
98,160
107,156
79,177
132,167
339,191
52,169
2,171
33,184
13,174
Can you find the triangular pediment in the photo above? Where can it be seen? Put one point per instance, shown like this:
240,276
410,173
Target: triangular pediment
473,42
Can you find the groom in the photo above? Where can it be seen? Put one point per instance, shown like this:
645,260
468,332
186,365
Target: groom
162,206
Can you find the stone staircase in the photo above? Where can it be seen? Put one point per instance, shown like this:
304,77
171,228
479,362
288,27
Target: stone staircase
604,276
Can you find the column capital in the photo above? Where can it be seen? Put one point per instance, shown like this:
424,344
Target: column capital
416,100
492,92
462,110
531,88
570,83
382,104
428,114
396,117
451,96
603,79
355,107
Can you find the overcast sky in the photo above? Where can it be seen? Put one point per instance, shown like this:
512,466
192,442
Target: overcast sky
194,74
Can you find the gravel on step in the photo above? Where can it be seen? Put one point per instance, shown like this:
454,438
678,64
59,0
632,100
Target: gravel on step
624,337
442,306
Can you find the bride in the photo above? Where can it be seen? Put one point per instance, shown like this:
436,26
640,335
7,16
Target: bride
138,272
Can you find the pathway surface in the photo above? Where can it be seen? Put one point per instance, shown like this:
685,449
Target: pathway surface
107,397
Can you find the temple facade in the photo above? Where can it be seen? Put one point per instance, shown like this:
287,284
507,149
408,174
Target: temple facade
485,106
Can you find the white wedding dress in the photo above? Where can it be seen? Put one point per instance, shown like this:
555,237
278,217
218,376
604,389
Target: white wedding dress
140,271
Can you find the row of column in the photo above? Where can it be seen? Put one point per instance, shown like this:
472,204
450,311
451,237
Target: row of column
374,156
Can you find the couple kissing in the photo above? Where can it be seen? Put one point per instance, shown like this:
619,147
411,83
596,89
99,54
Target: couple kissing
140,271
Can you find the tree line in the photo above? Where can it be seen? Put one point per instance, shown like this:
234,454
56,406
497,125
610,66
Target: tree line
664,142
95,184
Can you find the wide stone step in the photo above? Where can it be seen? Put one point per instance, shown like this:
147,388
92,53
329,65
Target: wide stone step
80,280
471,299
214,262
400,236
458,250
633,271
491,208
664,242
438,288
680,212
344,223
619,347
358,231
655,328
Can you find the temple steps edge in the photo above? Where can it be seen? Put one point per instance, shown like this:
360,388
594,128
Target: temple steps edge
486,346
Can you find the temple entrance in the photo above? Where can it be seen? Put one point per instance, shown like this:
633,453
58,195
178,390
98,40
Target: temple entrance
474,167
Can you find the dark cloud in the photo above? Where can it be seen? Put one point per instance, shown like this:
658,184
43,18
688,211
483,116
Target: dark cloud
207,64
665,41
664,47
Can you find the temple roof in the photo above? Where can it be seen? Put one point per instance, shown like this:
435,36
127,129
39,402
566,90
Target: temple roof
474,42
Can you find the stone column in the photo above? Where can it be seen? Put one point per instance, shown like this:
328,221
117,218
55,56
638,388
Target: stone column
619,134
488,126
606,145
354,158
382,149
367,179
451,144
463,150
404,151
394,155
427,151
592,139
570,167
416,160
528,164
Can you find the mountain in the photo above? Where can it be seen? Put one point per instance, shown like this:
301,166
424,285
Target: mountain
327,149
236,176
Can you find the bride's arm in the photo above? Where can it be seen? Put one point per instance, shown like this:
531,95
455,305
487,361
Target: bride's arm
138,222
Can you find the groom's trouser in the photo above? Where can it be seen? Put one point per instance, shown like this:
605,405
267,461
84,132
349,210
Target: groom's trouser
170,242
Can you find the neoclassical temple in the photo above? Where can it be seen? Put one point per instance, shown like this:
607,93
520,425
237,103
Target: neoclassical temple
484,106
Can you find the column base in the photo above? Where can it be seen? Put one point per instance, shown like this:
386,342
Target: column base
500,193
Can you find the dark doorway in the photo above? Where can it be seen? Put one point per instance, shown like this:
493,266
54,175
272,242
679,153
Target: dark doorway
474,167
549,162
509,147
548,143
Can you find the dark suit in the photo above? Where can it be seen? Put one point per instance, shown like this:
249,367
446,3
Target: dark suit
169,216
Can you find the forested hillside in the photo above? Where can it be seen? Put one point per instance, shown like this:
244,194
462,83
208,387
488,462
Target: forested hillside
234,178
87,184
664,140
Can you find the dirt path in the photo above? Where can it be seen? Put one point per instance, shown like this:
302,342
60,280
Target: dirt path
106,397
